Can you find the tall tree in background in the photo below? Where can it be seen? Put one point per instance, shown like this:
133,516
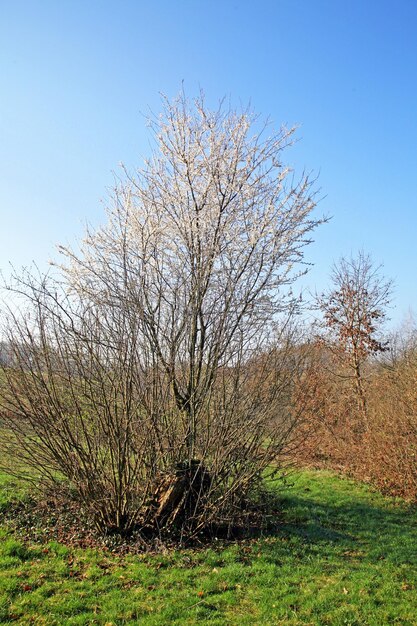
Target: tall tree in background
354,311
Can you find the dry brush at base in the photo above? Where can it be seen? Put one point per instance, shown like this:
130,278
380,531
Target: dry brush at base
137,376
393,436
385,453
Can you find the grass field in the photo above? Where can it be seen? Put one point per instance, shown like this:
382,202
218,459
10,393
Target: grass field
344,555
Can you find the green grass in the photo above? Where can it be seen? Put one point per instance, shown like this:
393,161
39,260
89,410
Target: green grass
344,555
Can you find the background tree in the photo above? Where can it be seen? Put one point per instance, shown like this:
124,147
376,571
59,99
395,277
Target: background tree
154,372
354,311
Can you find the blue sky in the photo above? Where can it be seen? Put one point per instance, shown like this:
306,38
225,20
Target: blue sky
77,76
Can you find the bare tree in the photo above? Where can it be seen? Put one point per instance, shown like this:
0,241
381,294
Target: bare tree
354,312
144,356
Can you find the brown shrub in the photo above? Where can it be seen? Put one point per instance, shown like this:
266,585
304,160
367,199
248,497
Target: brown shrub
385,452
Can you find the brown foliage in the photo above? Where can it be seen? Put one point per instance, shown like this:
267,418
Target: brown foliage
385,453
354,310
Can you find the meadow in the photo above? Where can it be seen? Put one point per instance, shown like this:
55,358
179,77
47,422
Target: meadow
342,554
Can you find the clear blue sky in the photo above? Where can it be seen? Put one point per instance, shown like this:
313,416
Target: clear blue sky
76,75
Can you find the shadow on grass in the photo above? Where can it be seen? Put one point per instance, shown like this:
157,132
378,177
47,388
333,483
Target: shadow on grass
320,517
353,529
